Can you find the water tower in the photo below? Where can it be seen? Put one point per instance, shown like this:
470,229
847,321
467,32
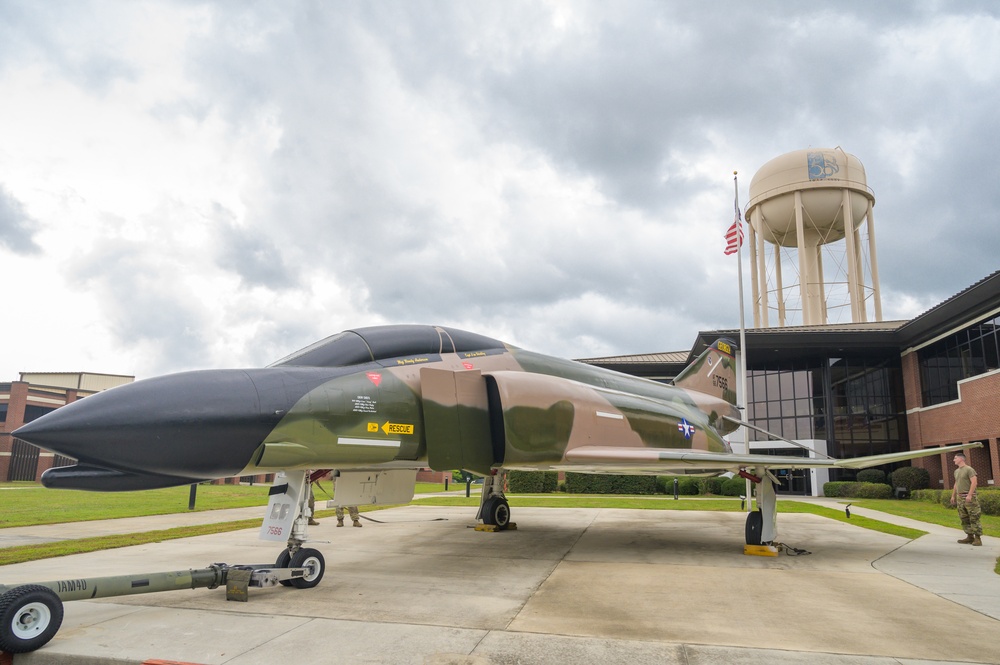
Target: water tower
806,201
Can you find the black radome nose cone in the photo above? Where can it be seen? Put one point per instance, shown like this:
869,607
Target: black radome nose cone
192,425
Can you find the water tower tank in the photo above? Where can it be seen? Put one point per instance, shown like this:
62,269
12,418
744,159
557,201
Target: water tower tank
808,200
820,176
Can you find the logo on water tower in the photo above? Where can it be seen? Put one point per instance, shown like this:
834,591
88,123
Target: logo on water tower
822,165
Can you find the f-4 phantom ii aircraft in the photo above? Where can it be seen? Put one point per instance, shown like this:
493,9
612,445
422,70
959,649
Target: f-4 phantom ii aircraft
375,404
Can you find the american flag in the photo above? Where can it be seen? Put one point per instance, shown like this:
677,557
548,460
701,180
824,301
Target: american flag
734,236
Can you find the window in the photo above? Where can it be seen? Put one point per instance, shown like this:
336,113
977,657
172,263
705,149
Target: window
35,412
855,404
962,355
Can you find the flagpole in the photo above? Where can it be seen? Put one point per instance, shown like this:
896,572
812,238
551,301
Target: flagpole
743,335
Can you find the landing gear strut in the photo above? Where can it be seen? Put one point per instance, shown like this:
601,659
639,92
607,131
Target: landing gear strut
289,513
761,525
494,510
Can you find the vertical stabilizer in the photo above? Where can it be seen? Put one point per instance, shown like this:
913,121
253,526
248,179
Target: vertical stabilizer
713,372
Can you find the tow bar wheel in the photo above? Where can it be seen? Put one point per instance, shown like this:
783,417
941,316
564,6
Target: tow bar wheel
30,616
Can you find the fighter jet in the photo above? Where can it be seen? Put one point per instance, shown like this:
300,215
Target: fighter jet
375,404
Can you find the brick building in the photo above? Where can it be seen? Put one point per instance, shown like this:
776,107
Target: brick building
34,395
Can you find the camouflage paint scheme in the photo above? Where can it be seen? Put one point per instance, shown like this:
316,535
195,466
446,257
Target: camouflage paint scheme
410,410
404,397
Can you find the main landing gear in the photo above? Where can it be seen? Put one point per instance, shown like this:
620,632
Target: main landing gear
494,510
761,525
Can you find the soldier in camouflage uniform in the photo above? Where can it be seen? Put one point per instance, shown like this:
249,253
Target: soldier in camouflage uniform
353,510
964,494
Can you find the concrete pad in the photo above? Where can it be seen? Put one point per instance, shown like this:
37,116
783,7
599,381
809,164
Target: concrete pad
569,585
194,637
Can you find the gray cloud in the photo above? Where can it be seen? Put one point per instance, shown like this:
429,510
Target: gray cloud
253,257
146,304
17,228
558,174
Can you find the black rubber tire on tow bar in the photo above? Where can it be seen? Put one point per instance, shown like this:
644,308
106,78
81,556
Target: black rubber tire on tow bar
755,527
283,561
313,561
30,616
497,512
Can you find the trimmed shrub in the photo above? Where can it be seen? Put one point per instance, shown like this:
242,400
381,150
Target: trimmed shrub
930,496
734,486
871,476
872,491
989,501
710,485
686,485
532,482
836,488
851,490
585,483
911,477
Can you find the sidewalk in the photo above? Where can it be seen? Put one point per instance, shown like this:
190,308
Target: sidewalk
936,562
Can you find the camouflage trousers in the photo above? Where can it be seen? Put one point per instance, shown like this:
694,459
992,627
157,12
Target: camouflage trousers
969,513
353,511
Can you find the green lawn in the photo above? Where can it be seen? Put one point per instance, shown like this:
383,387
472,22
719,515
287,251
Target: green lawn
926,511
26,504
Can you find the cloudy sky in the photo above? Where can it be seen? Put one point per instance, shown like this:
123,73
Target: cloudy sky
208,184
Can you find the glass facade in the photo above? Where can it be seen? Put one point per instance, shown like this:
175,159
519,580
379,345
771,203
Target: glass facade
967,353
854,403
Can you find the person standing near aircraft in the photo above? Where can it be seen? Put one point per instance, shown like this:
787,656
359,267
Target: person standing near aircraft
314,477
312,507
967,500
353,510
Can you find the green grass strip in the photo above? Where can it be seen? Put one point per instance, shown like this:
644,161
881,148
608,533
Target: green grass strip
23,553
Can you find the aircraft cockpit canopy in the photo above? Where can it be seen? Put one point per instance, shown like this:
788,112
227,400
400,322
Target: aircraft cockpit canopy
365,345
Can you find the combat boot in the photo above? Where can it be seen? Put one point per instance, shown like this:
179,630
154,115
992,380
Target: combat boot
968,539
313,522
340,521
976,540
357,523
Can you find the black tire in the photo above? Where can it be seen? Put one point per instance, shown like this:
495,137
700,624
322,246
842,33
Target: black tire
497,512
30,616
314,562
755,527
283,561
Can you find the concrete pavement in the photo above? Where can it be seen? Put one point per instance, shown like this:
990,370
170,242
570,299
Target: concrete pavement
569,585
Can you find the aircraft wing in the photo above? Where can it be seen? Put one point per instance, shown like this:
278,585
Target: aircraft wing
659,460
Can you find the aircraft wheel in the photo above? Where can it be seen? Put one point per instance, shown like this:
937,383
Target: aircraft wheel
497,512
283,561
755,527
313,561
30,616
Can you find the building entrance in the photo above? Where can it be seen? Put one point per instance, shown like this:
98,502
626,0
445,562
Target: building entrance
795,482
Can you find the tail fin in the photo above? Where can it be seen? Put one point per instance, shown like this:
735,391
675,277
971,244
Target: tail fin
713,372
